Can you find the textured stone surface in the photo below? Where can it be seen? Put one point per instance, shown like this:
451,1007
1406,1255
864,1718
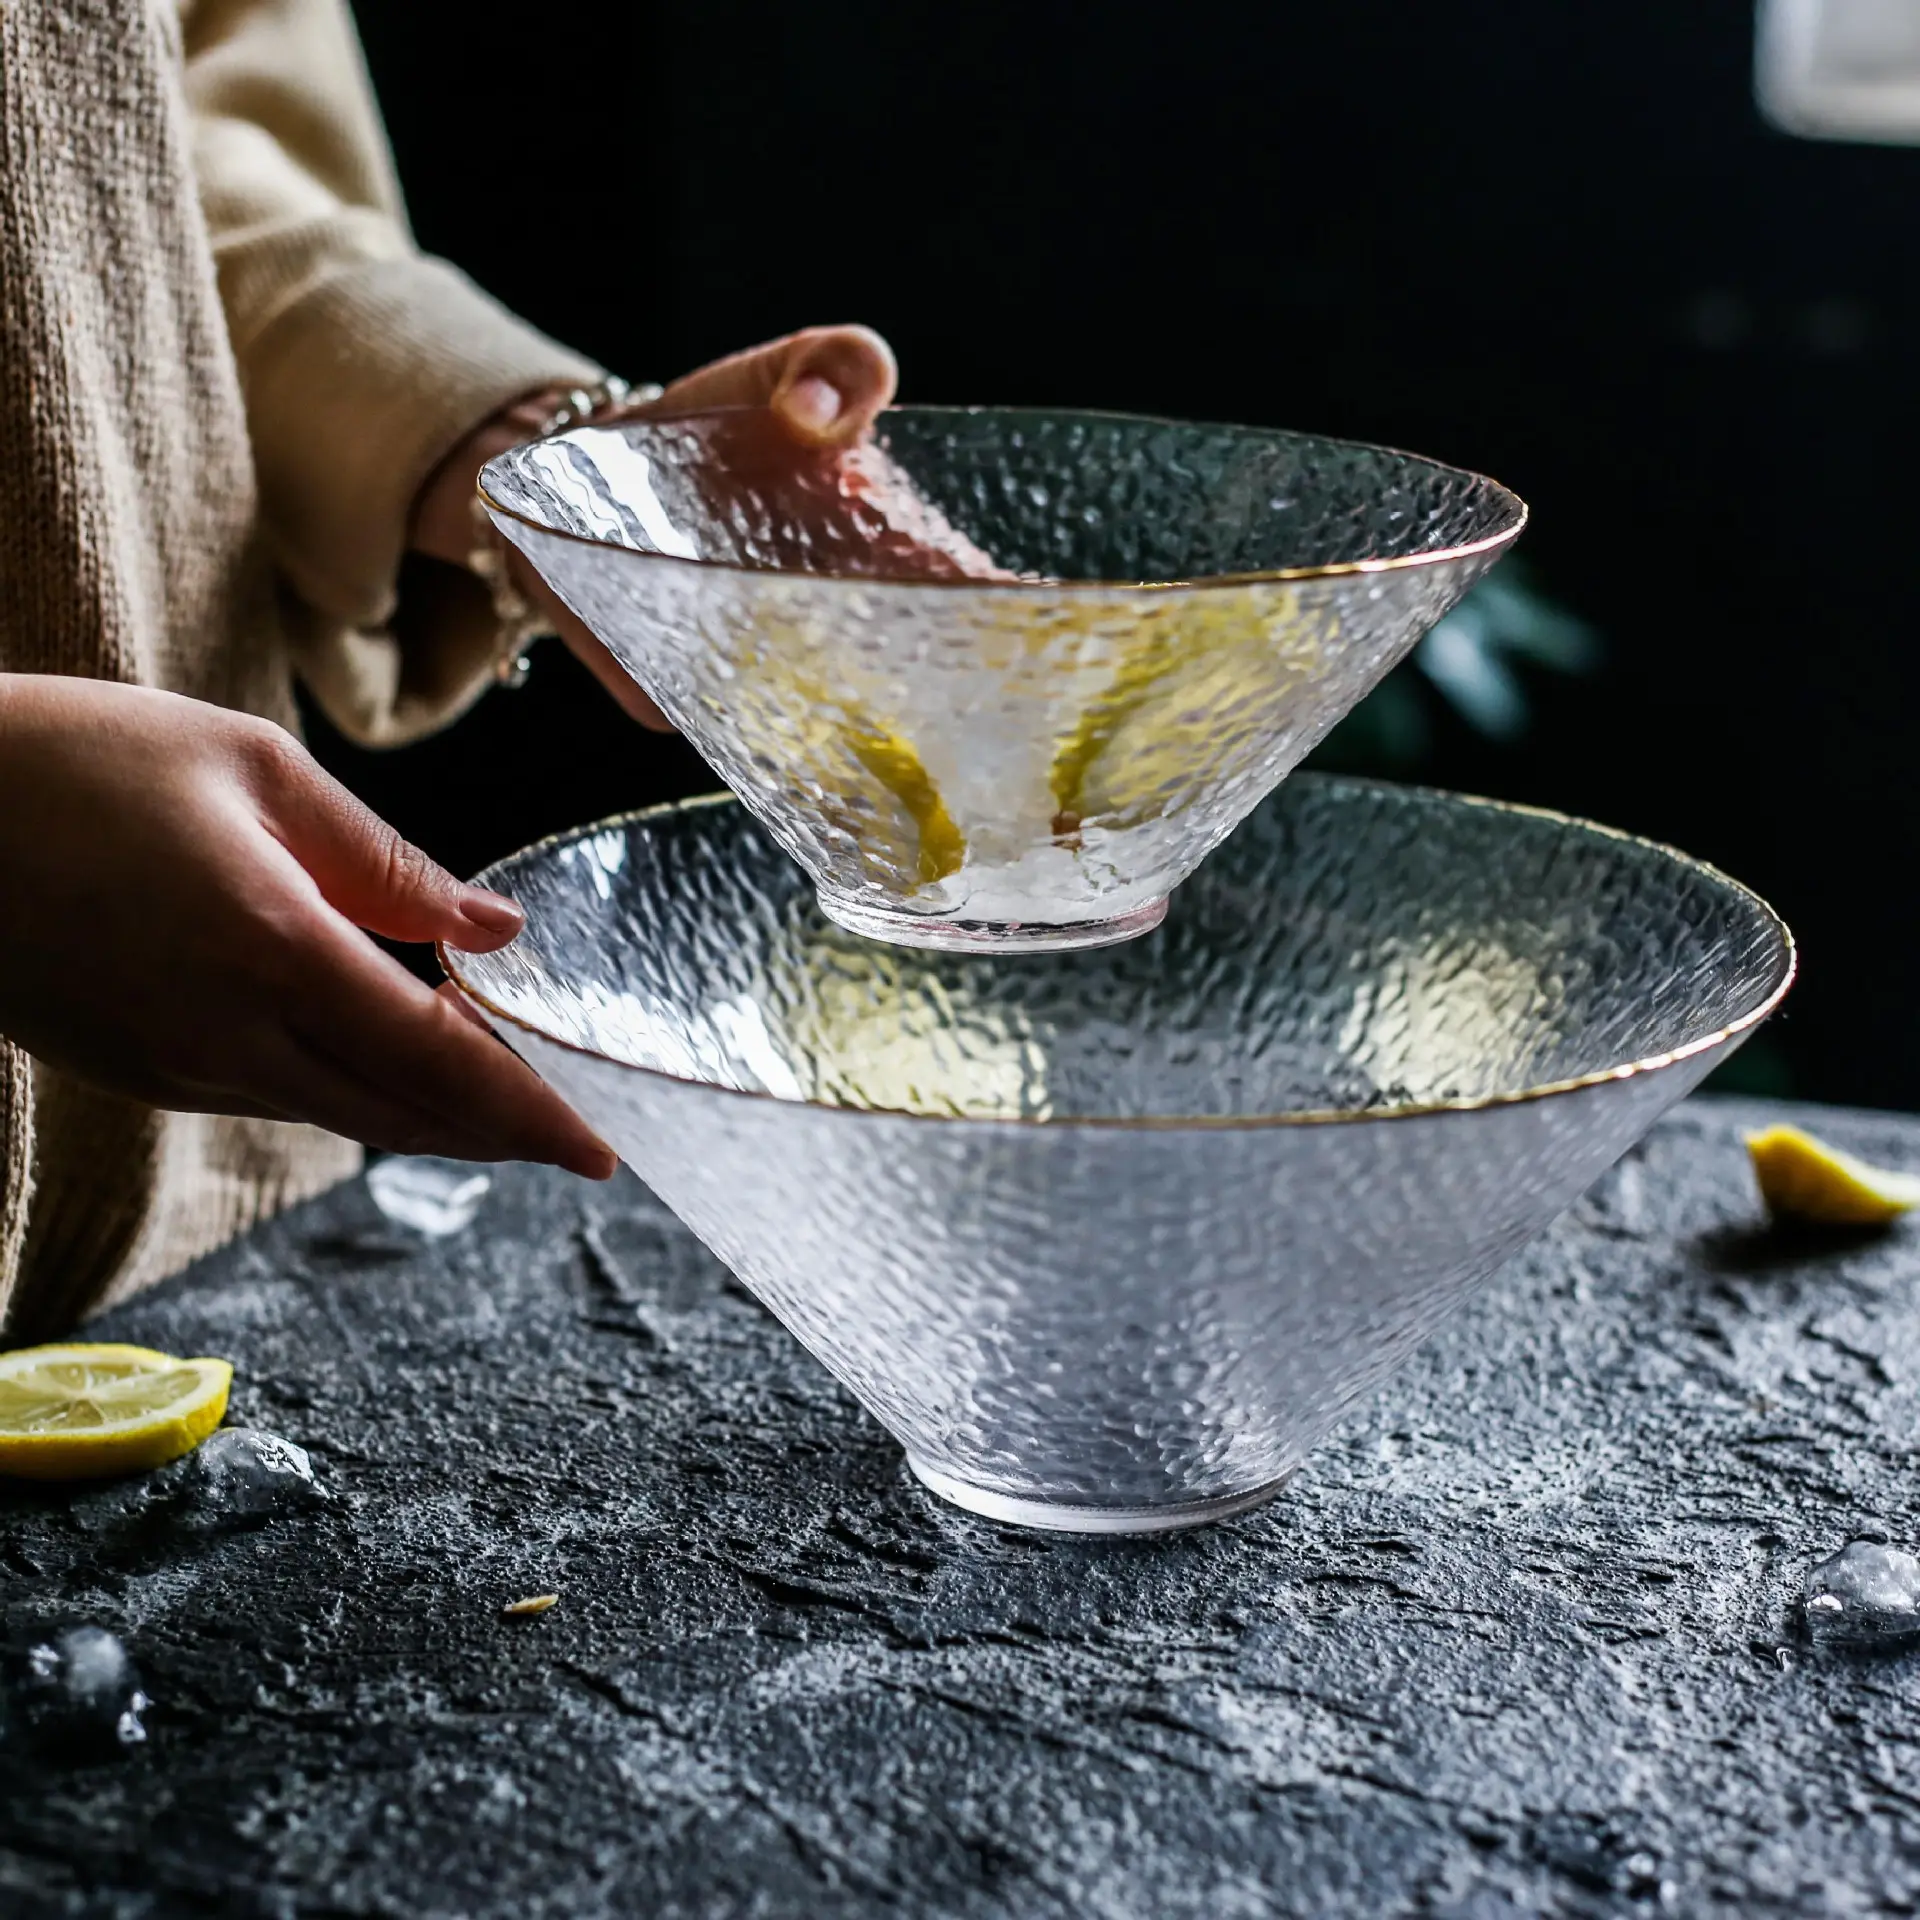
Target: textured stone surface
1523,1638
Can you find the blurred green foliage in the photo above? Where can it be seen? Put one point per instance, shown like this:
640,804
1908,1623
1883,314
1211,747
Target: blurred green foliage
1759,1070
1474,662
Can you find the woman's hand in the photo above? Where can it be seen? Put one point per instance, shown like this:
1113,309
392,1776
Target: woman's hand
824,386
183,890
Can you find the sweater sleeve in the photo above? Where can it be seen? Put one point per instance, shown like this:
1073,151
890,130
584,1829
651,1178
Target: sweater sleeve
362,360
16,1165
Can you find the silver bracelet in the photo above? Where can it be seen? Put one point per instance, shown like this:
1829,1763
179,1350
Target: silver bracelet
521,623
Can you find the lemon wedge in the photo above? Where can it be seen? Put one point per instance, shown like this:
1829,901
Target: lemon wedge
939,847
84,1412
1802,1178
1148,740
872,784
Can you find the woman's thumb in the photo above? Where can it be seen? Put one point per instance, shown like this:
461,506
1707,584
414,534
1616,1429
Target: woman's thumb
826,384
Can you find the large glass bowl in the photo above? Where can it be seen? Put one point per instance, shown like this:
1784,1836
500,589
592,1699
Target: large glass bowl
1109,1240
996,678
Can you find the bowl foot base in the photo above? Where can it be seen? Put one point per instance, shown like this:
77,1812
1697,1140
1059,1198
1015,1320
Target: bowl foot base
1060,1517
987,936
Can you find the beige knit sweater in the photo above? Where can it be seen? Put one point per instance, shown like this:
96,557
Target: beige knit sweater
225,371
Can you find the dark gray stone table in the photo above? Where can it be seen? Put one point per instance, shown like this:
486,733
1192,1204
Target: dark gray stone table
1523,1639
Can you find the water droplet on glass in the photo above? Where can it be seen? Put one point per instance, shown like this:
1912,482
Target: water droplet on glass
243,1476
1866,1595
78,1697
433,1197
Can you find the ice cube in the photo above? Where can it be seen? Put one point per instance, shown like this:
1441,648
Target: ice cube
1866,1595
243,1476
78,1696
433,1197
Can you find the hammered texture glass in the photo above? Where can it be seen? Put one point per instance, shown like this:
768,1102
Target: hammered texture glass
999,678
1111,1239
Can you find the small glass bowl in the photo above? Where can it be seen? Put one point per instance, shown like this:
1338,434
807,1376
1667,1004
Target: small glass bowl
999,679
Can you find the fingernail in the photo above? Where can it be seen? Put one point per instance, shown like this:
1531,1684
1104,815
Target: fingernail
597,1166
811,403
491,912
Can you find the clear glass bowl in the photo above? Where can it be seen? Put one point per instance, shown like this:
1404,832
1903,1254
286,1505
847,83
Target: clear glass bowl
999,679
1109,1240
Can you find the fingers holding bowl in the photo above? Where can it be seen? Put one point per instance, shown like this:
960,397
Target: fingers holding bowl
824,384
363,1013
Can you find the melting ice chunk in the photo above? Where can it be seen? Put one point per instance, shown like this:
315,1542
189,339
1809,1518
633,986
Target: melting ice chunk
1866,1595
79,1697
244,1475
433,1197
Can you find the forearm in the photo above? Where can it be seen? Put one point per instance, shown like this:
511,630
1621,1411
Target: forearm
364,364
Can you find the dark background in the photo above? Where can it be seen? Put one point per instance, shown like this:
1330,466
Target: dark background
1552,242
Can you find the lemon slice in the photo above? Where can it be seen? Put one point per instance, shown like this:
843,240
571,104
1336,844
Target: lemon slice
1802,1178
84,1412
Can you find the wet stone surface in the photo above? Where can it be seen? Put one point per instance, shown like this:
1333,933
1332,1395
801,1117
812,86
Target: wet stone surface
1530,1636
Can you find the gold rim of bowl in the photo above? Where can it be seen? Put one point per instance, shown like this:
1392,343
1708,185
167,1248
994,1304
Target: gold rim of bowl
1517,511
1305,1117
